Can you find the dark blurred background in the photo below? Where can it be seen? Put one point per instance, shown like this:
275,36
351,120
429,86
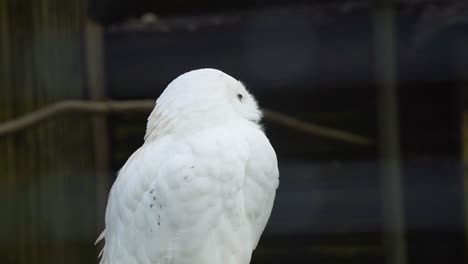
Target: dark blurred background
392,72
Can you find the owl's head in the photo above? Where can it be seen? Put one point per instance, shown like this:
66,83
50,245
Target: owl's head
201,98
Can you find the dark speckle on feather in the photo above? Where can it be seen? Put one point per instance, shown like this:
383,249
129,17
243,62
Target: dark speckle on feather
151,205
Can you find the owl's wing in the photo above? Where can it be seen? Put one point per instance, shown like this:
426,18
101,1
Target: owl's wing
168,200
260,184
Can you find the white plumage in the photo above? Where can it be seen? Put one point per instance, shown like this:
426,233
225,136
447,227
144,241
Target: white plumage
201,188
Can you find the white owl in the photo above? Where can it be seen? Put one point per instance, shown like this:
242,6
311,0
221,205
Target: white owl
201,188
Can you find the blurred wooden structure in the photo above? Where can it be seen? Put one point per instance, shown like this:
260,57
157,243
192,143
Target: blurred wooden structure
46,178
97,92
394,240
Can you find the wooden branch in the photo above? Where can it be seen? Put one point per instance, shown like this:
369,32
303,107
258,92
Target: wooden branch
74,106
145,106
315,130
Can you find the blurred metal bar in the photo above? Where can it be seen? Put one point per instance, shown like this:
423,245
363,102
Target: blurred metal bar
97,92
393,212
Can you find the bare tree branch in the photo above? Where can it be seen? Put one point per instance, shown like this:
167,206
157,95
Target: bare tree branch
315,130
145,106
39,115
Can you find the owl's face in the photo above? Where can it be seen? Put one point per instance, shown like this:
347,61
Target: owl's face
241,101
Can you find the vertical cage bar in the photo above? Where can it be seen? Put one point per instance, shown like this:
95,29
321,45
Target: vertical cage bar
97,91
386,77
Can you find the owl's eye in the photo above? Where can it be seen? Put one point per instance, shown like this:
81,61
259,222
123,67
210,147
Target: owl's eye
239,96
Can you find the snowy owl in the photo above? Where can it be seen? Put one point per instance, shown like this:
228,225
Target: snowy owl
201,188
